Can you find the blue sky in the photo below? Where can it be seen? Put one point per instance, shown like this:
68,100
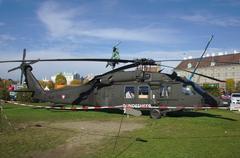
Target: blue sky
159,29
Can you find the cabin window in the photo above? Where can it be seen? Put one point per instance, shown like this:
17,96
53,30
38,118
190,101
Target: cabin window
129,92
165,91
143,92
147,76
187,90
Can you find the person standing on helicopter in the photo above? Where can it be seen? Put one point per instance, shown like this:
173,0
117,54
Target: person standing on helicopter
115,56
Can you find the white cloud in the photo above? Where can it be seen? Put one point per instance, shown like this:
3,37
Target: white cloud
4,38
57,22
224,21
63,22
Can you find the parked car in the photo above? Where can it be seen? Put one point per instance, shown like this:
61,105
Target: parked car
235,101
225,100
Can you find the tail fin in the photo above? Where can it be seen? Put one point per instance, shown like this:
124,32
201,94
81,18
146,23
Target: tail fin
33,83
30,79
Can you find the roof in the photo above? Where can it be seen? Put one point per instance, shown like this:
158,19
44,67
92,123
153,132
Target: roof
207,61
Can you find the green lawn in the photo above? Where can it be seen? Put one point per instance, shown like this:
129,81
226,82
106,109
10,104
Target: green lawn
212,133
20,114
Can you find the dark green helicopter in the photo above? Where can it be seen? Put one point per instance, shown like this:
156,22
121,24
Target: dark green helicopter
141,90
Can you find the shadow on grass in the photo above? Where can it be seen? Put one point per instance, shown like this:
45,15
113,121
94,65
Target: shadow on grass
146,113
169,114
196,114
192,114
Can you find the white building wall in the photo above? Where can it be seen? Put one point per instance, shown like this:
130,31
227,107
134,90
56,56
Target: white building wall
219,72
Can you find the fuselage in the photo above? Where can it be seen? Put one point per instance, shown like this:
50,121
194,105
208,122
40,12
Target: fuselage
136,88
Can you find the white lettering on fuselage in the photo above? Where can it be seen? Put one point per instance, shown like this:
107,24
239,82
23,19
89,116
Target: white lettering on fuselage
137,106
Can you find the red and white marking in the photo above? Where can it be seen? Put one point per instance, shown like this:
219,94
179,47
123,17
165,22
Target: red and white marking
124,106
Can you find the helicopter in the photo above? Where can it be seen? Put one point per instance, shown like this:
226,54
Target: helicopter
132,91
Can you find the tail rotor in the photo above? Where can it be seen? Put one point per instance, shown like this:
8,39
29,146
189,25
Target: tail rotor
23,65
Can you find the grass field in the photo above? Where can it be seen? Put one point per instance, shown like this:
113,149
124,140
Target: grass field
44,133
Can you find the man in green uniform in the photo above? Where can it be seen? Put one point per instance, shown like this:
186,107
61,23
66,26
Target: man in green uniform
115,56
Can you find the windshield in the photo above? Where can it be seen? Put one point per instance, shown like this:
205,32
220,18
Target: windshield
235,95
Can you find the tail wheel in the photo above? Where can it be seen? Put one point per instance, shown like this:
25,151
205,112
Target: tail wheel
155,114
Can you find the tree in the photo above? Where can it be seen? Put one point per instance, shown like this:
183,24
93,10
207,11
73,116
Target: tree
5,83
214,90
76,82
45,84
42,83
4,93
50,84
230,85
237,89
60,79
1,84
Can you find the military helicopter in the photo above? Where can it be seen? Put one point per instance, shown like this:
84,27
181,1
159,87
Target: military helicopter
132,91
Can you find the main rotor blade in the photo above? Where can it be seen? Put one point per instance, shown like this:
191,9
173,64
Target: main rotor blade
33,62
76,59
24,54
14,69
209,77
167,60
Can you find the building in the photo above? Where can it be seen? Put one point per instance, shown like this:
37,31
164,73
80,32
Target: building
217,66
45,79
69,77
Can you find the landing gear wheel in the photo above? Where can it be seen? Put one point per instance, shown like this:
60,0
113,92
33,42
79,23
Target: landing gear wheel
155,114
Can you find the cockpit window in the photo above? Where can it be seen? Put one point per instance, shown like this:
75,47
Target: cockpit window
129,92
143,92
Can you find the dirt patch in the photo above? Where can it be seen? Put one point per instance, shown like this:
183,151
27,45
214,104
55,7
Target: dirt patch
87,135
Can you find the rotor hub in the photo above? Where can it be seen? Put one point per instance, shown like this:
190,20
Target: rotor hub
145,61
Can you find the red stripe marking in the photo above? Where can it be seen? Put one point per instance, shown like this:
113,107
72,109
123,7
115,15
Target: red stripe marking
74,108
97,107
85,108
